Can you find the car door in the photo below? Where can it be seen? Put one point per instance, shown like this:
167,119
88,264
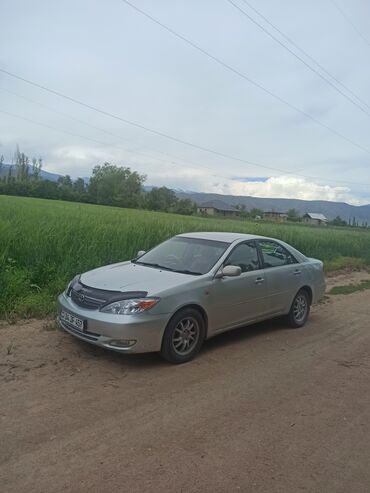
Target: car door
240,299
282,275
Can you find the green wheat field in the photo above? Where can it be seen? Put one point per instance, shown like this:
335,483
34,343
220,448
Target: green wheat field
44,243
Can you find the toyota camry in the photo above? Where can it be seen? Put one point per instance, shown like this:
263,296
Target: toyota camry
188,289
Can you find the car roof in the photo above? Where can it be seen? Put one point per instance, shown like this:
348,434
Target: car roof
221,236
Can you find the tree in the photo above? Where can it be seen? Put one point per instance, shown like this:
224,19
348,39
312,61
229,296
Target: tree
65,181
10,173
185,207
79,186
256,213
21,164
65,190
36,168
243,213
113,185
293,215
338,221
160,199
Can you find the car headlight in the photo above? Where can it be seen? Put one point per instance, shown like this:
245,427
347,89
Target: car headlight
71,284
128,307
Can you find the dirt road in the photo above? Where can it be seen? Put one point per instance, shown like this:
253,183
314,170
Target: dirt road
264,408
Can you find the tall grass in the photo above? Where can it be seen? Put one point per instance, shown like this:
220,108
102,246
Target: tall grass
45,243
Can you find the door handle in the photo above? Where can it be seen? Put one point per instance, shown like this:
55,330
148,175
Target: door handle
259,280
296,272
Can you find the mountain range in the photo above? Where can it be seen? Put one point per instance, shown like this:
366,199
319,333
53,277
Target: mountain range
329,209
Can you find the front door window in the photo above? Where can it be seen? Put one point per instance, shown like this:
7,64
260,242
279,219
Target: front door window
244,256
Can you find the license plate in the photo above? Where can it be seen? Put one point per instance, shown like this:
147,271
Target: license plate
76,322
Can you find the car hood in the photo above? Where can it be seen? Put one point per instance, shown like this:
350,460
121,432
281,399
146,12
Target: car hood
127,276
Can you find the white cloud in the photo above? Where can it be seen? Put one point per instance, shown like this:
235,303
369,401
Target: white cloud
291,187
284,186
78,160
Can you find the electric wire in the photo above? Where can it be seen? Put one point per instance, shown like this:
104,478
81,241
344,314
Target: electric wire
83,122
167,136
354,27
274,38
243,76
299,48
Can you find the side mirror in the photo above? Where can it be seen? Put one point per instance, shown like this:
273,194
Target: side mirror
229,271
140,253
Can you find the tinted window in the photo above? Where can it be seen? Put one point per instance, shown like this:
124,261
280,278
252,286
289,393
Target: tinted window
245,256
193,255
275,254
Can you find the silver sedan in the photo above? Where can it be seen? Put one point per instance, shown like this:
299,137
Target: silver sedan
188,289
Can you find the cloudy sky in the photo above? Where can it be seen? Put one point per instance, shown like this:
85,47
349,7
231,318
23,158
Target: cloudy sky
108,55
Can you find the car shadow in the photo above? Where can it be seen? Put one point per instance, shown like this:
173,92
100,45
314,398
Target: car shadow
153,360
236,336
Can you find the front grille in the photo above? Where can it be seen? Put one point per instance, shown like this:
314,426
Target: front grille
93,299
86,301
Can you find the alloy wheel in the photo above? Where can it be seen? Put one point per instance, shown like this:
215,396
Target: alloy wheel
300,308
185,336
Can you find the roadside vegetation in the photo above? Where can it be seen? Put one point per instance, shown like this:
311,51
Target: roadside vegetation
350,288
44,243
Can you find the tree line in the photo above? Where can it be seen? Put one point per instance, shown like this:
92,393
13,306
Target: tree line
109,184
112,185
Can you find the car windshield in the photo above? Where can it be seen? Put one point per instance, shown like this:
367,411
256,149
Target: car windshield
186,255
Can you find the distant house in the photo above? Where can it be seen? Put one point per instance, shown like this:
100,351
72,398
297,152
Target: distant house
315,218
278,217
217,208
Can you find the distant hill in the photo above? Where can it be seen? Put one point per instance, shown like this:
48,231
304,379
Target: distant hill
329,209
45,175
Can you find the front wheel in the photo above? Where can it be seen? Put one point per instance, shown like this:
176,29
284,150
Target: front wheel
183,337
299,310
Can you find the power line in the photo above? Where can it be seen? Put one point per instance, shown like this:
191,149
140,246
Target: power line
293,43
243,76
274,38
83,122
188,163
51,127
169,137
354,27
29,120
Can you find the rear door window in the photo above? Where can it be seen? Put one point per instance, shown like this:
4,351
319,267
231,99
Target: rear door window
274,254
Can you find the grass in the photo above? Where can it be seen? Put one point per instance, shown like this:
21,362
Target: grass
44,243
343,263
350,288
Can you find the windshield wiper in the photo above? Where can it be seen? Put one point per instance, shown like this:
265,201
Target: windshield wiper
185,271
148,264
158,266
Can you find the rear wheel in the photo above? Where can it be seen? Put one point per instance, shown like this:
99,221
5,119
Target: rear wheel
183,337
299,310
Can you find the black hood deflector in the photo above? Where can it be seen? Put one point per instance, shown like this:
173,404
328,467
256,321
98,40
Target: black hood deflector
93,298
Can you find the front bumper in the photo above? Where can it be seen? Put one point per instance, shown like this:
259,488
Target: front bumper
103,328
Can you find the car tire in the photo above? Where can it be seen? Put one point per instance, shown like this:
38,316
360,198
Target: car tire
299,310
184,336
